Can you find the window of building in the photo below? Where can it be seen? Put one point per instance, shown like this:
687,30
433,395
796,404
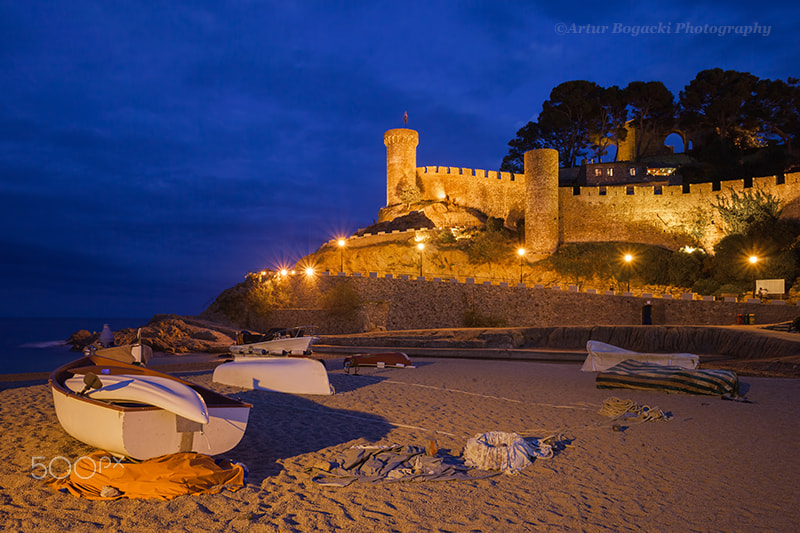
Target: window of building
602,191
598,172
629,191
610,171
657,189
632,171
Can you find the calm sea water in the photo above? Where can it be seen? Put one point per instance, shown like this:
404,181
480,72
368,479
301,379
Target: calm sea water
37,344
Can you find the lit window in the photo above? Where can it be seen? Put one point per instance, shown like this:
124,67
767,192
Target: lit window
610,171
632,171
598,172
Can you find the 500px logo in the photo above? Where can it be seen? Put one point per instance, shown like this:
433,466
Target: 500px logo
60,467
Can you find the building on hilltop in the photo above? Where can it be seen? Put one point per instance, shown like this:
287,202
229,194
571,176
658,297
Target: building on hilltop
597,207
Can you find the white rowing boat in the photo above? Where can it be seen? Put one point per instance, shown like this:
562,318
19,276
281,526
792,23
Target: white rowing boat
292,375
601,356
134,425
166,393
294,341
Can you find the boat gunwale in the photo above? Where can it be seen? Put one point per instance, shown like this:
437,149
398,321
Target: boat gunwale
60,375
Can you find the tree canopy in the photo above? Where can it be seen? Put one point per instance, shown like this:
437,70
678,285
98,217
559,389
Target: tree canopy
725,114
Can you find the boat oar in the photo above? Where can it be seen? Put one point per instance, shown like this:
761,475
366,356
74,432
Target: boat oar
91,381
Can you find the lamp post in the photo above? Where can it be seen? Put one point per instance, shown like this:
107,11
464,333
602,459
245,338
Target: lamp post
628,258
420,247
521,253
341,244
753,261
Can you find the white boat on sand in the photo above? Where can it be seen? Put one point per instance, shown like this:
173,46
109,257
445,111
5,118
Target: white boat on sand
602,356
292,342
292,375
141,413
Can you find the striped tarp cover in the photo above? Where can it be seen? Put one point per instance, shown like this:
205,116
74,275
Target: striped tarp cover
632,374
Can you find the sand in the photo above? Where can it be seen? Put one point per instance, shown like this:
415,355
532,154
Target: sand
715,466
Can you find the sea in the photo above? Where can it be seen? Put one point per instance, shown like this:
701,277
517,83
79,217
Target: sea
38,344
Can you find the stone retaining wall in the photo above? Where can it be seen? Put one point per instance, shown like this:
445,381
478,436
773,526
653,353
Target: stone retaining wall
417,303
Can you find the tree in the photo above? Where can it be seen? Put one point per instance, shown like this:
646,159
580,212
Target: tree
776,106
529,137
652,111
717,101
608,127
567,117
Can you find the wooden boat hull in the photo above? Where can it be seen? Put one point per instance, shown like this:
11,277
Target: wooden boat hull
144,431
292,375
381,360
297,346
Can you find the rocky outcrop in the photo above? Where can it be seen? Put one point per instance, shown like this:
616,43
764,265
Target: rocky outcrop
169,334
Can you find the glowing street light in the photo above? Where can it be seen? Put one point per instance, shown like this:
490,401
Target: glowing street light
628,259
341,244
309,271
420,247
521,254
753,259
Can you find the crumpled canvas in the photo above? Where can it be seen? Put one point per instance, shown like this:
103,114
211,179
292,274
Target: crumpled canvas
101,476
507,452
390,463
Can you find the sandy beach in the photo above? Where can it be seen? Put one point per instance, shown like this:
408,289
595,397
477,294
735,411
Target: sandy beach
714,466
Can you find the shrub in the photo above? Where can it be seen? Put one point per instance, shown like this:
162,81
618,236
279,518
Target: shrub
341,299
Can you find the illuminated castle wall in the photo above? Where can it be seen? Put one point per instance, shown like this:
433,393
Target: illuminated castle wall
669,216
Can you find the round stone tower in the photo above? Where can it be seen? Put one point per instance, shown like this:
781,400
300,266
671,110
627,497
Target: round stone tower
401,162
541,202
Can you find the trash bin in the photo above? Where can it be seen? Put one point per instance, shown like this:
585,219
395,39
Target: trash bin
647,314
751,318
740,318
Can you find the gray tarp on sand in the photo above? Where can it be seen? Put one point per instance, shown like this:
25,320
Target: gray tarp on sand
391,463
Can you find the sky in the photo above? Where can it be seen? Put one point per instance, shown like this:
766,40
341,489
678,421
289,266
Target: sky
154,153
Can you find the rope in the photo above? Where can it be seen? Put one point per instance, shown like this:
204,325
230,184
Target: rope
616,408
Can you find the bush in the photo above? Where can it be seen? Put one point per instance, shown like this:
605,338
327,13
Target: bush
341,299
684,269
706,286
796,323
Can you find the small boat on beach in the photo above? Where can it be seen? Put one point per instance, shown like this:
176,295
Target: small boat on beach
601,356
137,412
380,360
278,374
295,341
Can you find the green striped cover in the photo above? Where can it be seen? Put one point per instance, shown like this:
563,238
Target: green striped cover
632,374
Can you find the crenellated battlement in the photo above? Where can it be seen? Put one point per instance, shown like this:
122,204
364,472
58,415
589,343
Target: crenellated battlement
666,215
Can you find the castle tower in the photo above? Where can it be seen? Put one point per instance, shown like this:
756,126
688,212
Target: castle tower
541,202
401,162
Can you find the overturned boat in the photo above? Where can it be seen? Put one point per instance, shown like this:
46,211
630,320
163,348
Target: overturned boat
278,374
137,412
601,356
295,341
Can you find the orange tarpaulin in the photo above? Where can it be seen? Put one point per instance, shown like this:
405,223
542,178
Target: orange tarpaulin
101,476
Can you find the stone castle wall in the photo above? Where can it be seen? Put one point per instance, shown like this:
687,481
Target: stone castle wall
662,215
670,219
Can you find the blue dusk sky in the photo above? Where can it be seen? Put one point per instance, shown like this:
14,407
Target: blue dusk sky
153,153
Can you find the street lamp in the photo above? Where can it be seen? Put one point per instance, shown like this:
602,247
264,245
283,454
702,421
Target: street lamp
341,244
628,258
753,260
521,253
420,247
